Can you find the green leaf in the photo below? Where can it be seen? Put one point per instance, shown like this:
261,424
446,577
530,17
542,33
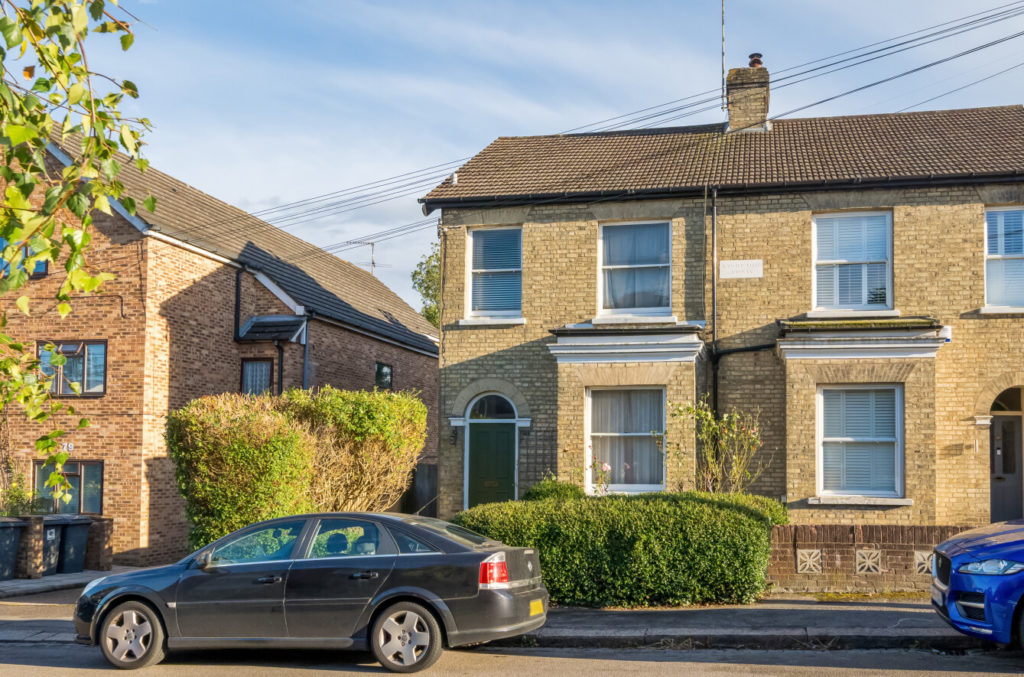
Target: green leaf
96,9
75,93
79,18
11,31
128,139
76,387
19,133
101,203
150,203
22,304
129,205
64,309
126,41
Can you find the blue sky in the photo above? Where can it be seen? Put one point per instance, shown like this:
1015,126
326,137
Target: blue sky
261,103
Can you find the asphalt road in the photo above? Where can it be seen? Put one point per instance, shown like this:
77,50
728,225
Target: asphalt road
17,660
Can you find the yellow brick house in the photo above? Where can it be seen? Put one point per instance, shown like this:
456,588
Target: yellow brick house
857,279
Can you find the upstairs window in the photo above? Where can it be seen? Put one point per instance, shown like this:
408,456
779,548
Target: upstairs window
497,272
257,376
636,269
1004,257
382,377
860,440
77,367
853,261
40,269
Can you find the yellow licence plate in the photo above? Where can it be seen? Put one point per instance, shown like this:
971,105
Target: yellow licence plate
536,607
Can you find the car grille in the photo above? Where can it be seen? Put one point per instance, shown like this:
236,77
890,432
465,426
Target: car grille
942,568
971,605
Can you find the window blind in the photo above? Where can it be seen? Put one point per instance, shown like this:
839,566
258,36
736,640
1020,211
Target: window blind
860,446
1004,264
497,271
852,266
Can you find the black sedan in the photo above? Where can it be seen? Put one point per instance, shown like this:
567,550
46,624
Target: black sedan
399,585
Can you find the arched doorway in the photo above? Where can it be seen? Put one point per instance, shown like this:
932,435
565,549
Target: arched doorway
491,450
1005,457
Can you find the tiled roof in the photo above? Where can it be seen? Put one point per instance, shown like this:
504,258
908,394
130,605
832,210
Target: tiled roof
810,151
271,328
322,282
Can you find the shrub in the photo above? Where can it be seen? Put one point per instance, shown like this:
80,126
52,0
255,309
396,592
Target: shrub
652,549
238,460
367,445
551,487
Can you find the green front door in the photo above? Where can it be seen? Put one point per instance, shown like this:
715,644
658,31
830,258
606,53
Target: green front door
492,462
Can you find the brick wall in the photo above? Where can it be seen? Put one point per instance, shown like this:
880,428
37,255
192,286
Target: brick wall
853,558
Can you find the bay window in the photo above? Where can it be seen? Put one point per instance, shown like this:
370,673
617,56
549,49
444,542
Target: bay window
860,448
496,271
1004,257
636,269
853,261
626,433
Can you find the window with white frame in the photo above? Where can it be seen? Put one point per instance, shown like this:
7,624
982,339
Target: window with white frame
636,269
860,440
626,433
853,261
1004,257
497,272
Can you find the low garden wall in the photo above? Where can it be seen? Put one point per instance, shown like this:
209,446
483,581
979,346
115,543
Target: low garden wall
99,551
853,558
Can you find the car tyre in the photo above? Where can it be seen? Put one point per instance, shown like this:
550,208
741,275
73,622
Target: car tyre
132,636
406,637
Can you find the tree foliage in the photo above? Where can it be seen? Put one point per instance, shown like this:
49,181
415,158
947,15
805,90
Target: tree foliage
426,279
729,443
48,93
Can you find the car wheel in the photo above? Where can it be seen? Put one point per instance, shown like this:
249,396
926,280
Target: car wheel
132,636
406,638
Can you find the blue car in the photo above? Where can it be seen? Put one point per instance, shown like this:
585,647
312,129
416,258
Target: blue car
978,582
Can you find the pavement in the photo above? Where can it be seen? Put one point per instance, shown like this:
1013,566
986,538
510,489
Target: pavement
792,623
17,587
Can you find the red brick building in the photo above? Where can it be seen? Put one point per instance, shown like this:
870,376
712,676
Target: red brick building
207,299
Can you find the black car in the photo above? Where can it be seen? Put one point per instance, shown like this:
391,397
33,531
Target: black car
399,585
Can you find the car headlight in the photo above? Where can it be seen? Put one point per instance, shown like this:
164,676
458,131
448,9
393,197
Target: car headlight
991,567
91,585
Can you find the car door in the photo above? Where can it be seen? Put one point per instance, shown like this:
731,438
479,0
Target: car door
240,593
345,564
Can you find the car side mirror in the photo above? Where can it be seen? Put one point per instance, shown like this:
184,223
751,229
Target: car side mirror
203,560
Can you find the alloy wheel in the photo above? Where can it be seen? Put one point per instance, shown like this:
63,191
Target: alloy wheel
404,638
129,636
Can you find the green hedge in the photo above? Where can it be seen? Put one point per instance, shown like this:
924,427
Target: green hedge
237,461
646,550
549,487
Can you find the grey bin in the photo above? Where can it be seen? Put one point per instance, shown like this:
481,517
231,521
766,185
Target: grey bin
72,545
53,533
10,537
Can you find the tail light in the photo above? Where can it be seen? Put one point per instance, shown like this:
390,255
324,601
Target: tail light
494,572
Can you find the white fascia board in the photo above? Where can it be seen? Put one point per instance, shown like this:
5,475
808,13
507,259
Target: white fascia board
627,348
863,348
281,294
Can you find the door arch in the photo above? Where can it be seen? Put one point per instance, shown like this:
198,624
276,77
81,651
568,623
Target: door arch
1005,456
491,457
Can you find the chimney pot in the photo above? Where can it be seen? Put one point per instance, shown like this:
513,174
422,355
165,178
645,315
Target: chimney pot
746,91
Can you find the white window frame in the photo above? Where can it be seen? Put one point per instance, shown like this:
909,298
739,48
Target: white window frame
470,313
632,312
815,263
588,470
997,257
819,435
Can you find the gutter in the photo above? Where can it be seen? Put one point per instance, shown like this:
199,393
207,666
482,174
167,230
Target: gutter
570,197
280,367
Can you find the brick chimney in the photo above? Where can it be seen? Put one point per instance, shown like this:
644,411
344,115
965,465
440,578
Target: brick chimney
747,94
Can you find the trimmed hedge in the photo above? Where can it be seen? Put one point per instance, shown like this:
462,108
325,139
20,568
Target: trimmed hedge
549,487
646,550
238,460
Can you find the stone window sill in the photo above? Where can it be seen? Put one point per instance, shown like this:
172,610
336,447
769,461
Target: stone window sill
1000,310
859,500
635,319
491,321
841,314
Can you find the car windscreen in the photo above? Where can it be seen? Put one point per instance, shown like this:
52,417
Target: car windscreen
451,531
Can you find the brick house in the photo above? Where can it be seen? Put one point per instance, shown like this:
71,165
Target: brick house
207,299
857,279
